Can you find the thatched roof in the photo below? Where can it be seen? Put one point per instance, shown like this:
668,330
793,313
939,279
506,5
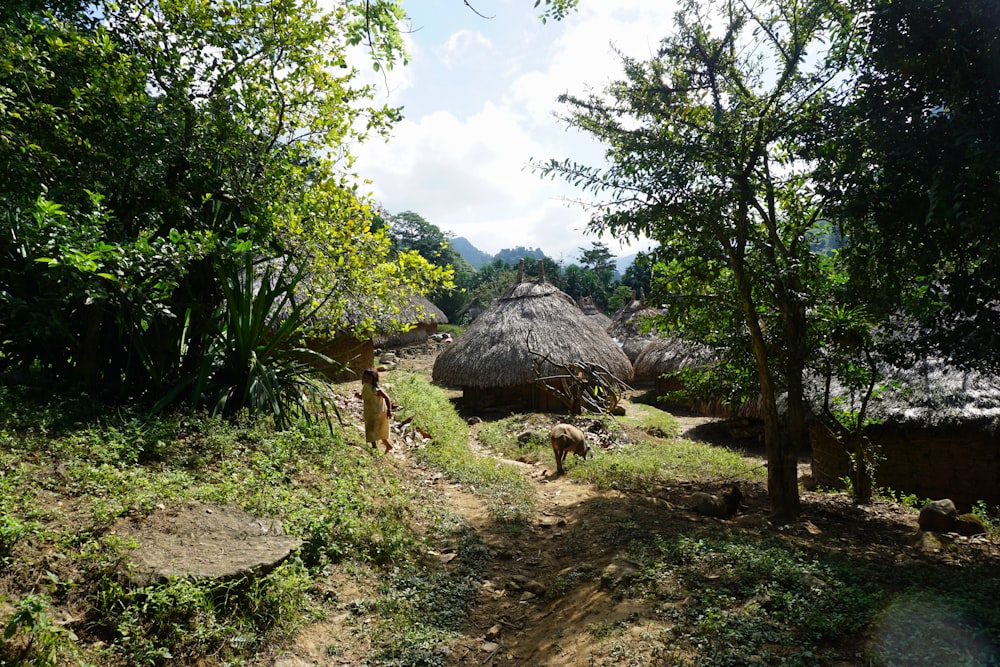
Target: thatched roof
933,393
626,328
664,355
419,309
591,310
494,350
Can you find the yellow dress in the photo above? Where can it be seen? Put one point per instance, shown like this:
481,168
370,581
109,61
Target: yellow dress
376,419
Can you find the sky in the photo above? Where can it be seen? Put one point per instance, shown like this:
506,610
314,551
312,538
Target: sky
479,99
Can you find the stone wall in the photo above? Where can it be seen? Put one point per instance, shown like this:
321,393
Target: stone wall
963,465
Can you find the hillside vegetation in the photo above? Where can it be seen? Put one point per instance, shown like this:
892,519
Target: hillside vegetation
460,549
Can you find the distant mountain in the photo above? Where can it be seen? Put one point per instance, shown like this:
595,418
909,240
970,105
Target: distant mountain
478,259
514,255
622,263
473,255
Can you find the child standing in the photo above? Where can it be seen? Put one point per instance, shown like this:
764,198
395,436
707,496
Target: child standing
377,409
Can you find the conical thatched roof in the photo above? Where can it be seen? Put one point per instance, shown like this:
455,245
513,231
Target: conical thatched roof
420,309
663,355
626,328
591,310
494,351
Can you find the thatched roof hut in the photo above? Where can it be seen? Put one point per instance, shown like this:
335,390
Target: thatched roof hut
494,361
591,310
937,432
423,318
627,328
667,355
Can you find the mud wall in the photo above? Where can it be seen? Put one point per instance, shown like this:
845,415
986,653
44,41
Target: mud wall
963,465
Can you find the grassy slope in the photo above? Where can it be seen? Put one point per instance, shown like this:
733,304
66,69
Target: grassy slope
67,475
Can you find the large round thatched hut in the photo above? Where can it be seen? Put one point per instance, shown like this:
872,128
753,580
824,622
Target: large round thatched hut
533,329
627,328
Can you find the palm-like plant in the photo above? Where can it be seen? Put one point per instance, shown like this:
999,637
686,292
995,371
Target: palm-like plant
255,359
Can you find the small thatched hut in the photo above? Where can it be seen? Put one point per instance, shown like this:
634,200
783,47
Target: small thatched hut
424,318
591,310
627,328
663,356
494,361
938,436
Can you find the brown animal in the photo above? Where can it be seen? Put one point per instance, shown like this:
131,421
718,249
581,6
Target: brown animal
725,507
567,438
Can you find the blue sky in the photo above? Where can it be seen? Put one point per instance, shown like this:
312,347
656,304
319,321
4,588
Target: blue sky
479,98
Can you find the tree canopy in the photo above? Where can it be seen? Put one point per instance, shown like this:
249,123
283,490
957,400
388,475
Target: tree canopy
147,144
706,152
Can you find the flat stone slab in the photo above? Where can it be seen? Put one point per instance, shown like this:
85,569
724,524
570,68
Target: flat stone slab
204,541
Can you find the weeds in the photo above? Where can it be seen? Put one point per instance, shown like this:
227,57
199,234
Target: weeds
509,496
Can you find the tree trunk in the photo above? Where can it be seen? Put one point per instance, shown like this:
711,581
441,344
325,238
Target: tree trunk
782,452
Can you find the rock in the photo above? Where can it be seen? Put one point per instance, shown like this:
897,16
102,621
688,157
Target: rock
493,634
930,542
619,573
938,516
969,525
490,647
204,541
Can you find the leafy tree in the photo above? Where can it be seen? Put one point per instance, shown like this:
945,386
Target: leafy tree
141,151
410,231
917,172
597,258
513,256
706,145
638,275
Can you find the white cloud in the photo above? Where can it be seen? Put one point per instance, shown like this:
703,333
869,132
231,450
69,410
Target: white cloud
460,44
482,105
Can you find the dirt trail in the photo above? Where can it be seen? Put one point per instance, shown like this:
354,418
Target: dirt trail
555,591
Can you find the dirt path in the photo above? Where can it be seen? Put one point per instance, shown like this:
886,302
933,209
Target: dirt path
554,592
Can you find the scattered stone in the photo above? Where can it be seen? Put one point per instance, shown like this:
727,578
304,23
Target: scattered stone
527,596
938,516
204,541
493,634
969,525
490,647
619,573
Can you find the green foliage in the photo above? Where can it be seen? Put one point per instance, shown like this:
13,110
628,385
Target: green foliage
45,642
909,155
753,597
509,496
145,150
709,145
255,359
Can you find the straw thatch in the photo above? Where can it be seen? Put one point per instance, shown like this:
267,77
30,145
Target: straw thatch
494,357
937,434
591,310
423,318
627,328
667,355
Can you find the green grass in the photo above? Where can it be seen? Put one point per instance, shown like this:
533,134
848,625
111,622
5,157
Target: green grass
510,497
624,461
352,510
725,594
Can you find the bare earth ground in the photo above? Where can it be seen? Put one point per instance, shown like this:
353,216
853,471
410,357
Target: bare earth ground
551,587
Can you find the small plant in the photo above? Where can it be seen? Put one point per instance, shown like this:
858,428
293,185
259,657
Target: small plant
43,642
